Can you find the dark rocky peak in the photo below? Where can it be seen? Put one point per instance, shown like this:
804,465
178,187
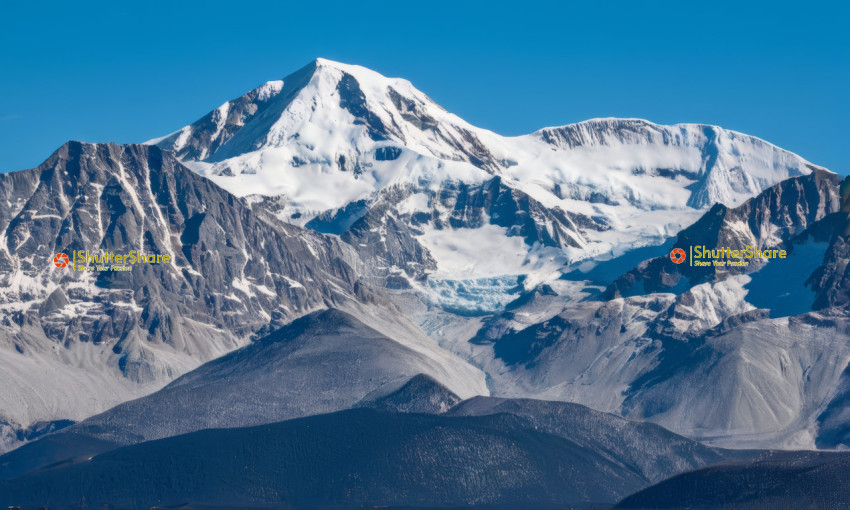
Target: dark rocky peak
768,221
231,268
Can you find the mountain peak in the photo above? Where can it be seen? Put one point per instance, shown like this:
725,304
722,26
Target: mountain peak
327,115
324,62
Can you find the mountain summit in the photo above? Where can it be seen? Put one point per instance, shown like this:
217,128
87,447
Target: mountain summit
325,116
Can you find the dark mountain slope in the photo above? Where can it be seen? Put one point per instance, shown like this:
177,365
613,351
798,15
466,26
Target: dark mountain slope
326,361
647,449
346,459
784,480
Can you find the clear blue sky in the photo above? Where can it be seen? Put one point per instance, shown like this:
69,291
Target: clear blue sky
131,71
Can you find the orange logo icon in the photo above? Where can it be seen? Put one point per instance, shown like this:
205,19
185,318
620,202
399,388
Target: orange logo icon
60,260
677,256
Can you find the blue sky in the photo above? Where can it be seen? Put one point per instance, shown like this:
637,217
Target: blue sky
99,71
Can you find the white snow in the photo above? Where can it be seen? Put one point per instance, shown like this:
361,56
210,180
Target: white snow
485,252
414,203
292,283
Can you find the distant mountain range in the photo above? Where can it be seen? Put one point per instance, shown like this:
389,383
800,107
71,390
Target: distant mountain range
369,301
481,451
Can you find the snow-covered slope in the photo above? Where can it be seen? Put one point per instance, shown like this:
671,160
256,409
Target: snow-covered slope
327,135
331,143
333,133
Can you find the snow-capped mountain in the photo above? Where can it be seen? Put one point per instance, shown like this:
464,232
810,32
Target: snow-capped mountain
345,150
474,221
73,343
740,357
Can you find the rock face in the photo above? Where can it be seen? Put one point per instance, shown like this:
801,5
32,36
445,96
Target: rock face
421,394
76,342
831,281
805,216
389,233
770,220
